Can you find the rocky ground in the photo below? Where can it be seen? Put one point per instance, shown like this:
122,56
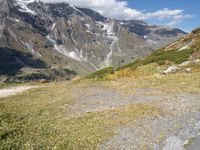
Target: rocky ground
176,127
173,130
14,91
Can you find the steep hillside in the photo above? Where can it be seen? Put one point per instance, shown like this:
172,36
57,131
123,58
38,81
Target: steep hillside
180,56
77,39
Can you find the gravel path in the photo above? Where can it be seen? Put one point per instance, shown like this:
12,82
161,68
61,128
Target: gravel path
195,145
169,132
14,91
92,99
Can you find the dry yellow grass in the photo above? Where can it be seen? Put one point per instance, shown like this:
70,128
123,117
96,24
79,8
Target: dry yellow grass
180,82
141,71
36,119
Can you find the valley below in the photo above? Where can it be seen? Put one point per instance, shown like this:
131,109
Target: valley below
152,112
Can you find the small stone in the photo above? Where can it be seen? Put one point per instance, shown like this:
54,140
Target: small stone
188,70
171,69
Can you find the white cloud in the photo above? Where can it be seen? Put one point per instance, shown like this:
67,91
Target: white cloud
179,18
120,10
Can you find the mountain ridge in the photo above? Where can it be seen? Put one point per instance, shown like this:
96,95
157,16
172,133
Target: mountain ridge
80,39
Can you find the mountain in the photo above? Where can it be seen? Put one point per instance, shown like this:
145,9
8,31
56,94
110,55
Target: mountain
181,56
79,40
156,36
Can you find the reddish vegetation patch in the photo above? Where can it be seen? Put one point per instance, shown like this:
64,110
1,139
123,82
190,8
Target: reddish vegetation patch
76,79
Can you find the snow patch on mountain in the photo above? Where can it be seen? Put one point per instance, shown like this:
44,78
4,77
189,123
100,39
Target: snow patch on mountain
74,54
24,8
107,29
77,9
88,28
108,32
17,20
119,49
53,26
108,60
29,46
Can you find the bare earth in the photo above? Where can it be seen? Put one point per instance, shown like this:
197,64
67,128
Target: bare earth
14,91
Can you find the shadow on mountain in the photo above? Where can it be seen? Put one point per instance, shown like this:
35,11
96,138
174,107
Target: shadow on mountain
11,61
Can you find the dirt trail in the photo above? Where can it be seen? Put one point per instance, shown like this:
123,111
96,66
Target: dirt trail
14,91
171,131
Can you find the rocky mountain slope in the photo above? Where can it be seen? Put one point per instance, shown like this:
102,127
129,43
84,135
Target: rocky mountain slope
156,36
180,56
79,40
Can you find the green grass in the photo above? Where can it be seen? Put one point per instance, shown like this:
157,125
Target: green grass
39,119
68,71
160,57
174,56
101,73
132,64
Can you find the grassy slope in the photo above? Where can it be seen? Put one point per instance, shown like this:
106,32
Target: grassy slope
39,118
159,58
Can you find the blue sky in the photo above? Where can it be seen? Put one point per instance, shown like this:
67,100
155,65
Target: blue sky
191,7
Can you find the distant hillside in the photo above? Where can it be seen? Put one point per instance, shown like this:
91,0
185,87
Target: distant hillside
180,56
